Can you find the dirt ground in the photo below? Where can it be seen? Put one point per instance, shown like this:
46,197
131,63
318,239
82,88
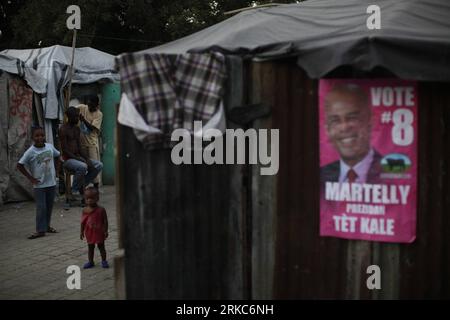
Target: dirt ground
36,269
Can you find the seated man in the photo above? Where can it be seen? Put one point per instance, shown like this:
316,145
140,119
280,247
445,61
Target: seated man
85,169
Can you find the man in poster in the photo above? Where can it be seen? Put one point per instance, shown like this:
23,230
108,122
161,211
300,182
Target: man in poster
348,117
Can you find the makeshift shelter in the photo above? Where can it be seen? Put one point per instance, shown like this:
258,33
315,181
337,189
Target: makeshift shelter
225,231
52,63
20,89
322,35
93,71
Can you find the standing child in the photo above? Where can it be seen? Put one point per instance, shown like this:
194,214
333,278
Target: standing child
90,123
94,225
41,172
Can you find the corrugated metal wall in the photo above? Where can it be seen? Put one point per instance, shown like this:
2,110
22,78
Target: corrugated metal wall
197,231
183,228
309,266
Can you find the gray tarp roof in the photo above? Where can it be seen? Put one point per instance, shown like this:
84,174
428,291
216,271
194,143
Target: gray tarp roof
413,42
52,63
18,67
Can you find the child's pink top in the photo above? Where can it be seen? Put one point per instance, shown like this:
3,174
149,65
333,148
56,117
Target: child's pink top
94,229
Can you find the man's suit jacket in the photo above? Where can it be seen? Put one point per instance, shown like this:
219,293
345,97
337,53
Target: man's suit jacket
330,172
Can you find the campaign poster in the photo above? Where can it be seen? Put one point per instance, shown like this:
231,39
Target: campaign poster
368,159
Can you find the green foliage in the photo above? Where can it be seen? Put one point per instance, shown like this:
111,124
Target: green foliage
7,11
113,26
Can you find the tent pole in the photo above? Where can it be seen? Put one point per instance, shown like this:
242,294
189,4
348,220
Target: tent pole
74,41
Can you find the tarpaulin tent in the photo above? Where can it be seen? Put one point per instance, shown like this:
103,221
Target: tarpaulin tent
413,41
52,63
15,66
322,35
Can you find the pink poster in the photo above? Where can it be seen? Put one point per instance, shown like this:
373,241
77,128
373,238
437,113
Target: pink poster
368,159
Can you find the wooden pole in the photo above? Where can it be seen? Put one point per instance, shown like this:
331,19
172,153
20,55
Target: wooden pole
74,41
